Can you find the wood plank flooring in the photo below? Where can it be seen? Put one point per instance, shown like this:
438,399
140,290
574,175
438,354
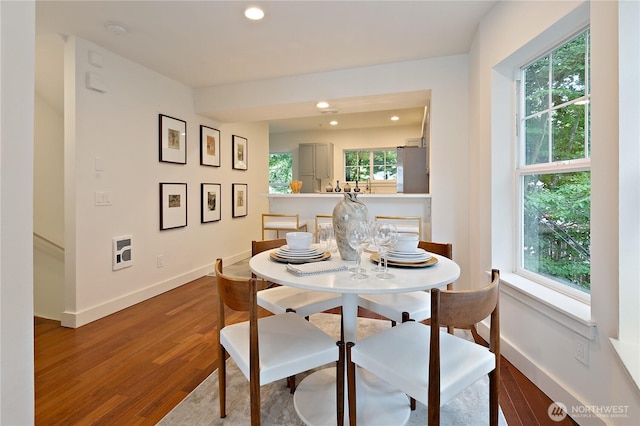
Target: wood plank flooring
133,367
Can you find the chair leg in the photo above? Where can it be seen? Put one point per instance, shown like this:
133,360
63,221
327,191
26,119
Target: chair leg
494,389
351,385
222,381
255,404
291,383
412,401
340,384
291,380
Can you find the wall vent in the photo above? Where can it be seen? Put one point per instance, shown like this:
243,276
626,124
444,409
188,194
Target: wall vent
122,252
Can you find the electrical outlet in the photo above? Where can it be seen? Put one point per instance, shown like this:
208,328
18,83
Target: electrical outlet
160,261
582,349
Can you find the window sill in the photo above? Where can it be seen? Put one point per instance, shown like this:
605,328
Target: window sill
563,309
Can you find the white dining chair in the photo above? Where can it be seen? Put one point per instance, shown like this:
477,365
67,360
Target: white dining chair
400,307
405,224
269,348
433,366
282,222
281,299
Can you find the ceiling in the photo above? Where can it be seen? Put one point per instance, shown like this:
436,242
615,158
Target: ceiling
211,43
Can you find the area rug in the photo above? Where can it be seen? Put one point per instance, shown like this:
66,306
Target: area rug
201,407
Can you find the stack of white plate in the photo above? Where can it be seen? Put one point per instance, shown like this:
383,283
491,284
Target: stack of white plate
285,253
417,256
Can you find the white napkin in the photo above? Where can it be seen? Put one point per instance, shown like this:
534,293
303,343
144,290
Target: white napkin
316,268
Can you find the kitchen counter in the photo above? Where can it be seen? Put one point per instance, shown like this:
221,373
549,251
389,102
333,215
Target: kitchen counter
310,204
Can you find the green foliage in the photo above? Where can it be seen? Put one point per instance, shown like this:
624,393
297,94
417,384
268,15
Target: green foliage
280,172
557,235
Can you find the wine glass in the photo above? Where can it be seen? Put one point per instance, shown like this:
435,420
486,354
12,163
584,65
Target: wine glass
358,235
379,231
325,236
388,240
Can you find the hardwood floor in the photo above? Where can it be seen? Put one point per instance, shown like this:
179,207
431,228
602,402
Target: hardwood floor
133,367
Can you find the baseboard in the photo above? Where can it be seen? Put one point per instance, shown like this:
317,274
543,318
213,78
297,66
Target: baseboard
548,384
80,318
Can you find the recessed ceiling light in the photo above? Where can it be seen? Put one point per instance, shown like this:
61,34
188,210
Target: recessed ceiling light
395,118
322,104
334,123
254,13
116,28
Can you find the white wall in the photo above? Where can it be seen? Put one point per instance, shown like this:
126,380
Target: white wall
121,128
383,137
538,345
48,212
17,31
446,77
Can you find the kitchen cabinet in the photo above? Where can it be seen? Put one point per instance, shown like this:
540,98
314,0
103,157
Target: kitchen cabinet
315,163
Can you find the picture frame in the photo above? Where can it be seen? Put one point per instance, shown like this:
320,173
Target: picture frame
172,139
209,146
211,202
239,199
240,152
173,205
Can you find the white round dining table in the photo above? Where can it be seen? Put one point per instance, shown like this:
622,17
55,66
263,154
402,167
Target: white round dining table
378,403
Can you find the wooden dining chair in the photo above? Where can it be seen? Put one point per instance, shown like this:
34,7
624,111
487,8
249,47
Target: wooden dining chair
401,307
434,366
269,348
282,222
280,299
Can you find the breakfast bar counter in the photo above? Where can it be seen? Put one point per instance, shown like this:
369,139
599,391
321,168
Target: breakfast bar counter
309,205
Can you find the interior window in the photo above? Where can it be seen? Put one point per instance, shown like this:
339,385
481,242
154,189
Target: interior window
370,165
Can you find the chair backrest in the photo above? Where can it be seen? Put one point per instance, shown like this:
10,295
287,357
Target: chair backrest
463,308
443,249
404,223
233,292
258,246
275,220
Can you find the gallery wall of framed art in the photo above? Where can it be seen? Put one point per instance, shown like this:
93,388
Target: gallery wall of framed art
173,196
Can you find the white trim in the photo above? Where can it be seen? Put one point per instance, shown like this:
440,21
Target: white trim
567,311
541,377
78,319
629,355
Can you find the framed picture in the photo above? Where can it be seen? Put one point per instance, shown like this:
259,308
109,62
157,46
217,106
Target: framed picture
173,140
239,200
209,146
210,196
240,152
173,205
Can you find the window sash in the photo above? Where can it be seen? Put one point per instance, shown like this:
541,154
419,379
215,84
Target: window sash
522,169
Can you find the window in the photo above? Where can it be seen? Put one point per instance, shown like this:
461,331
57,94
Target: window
367,164
554,169
280,172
